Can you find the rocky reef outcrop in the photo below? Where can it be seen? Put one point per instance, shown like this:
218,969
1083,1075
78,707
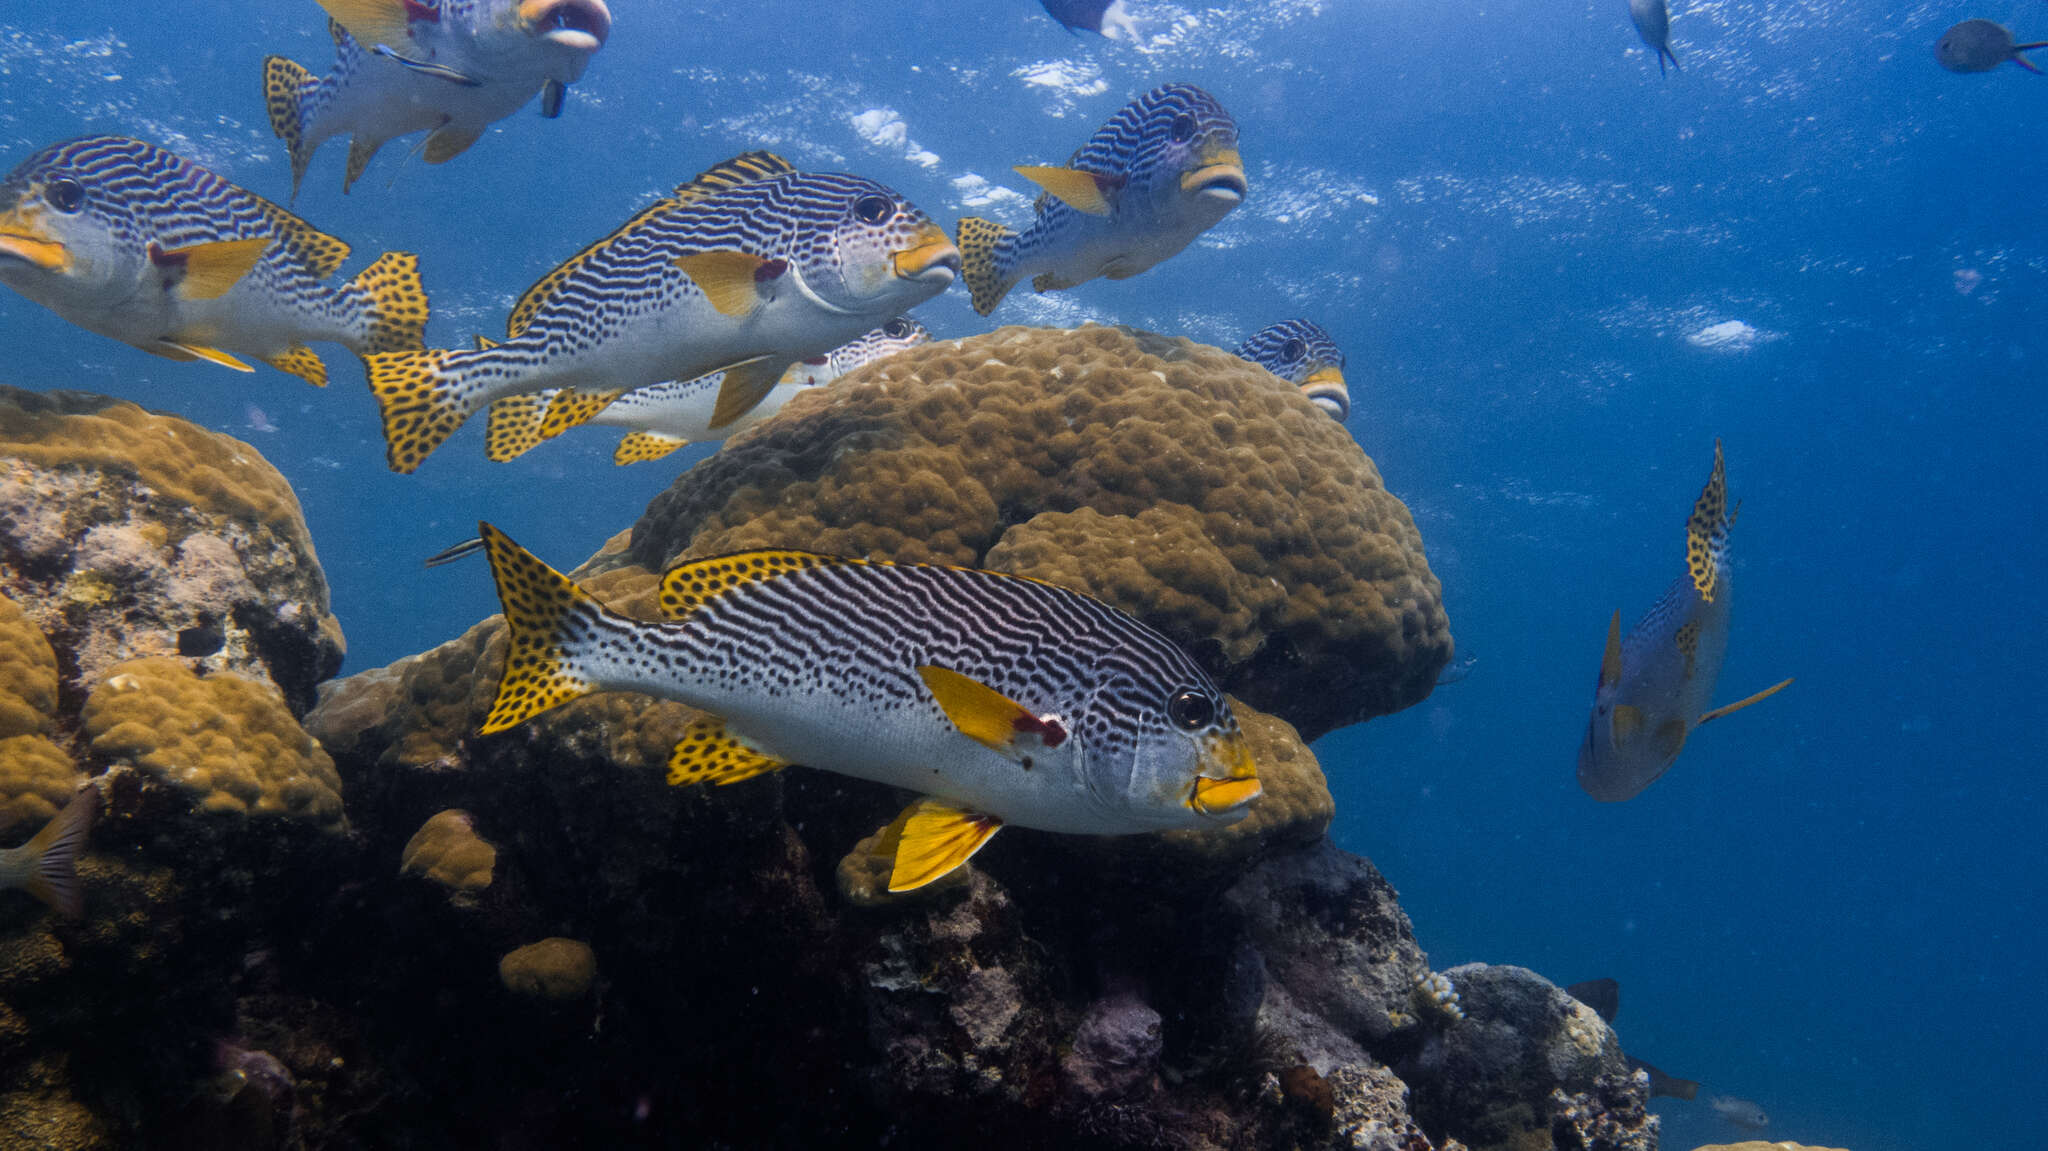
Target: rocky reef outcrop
366,925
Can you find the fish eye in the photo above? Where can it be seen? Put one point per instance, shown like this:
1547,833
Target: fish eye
1190,709
1293,350
1183,128
67,196
897,328
872,209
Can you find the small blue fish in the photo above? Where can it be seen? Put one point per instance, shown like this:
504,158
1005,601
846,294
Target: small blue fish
1653,24
1106,17
47,865
1980,46
450,68
1740,1112
1164,170
1303,354
1655,686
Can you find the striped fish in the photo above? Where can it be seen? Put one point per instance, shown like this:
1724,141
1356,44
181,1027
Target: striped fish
1656,685
1304,355
1164,170
665,416
747,269
140,244
450,68
998,699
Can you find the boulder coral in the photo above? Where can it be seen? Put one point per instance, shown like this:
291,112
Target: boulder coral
36,776
554,968
228,740
127,533
448,850
1173,480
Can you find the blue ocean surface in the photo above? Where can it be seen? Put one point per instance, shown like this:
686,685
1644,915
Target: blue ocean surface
1559,277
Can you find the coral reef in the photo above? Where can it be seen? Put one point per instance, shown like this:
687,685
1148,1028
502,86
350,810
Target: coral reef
447,850
1173,480
1759,1145
229,740
125,533
554,968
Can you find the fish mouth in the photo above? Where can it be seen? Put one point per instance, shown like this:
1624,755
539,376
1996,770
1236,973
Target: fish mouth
931,259
1221,177
1239,784
1323,378
579,25
21,240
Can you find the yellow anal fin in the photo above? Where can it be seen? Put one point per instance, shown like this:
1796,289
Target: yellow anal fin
731,280
1706,530
745,168
689,586
1738,705
1081,191
571,408
302,362
512,428
641,447
178,350
206,271
375,22
932,838
540,604
448,141
746,384
980,241
708,753
986,715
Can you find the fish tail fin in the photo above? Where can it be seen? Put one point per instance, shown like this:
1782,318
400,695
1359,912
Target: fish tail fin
984,246
285,85
1665,53
53,854
420,397
1706,531
513,427
2022,61
546,617
394,300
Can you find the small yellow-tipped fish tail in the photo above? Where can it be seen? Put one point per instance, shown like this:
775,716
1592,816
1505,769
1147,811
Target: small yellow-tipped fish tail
570,408
541,605
395,302
513,426
302,362
641,447
1706,531
49,862
414,395
980,243
285,85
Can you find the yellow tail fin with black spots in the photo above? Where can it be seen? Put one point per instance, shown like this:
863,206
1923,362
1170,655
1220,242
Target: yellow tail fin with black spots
542,607
1706,531
394,303
415,396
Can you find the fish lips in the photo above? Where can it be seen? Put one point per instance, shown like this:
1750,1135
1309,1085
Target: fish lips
1225,798
932,260
1221,181
24,242
578,25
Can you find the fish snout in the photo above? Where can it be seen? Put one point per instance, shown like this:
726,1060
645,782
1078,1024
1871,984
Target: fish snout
579,25
25,238
1325,388
1225,795
1220,176
931,258
1324,377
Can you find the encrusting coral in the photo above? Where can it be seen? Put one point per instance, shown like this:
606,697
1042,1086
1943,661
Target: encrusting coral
447,850
229,740
127,533
554,968
1170,479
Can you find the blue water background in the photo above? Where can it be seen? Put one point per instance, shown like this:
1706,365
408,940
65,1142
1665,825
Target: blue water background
1832,905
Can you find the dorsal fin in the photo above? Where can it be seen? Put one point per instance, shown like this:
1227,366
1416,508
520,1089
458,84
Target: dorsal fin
1706,532
322,253
690,585
745,168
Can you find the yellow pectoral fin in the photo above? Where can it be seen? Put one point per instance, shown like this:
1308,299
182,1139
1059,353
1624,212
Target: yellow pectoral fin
986,715
932,838
1081,191
372,21
1626,724
207,271
746,384
1610,664
708,753
172,349
728,279
1738,705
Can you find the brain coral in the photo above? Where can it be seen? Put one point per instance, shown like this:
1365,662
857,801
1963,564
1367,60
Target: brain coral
228,739
1173,480
124,533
